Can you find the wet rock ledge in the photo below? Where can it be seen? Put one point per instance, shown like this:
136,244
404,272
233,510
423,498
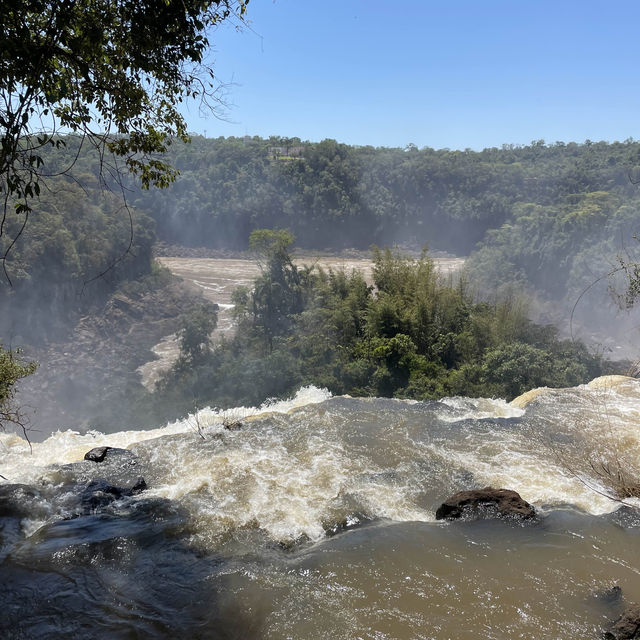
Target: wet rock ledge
100,454
627,626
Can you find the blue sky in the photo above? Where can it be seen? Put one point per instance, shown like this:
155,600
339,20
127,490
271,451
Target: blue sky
446,73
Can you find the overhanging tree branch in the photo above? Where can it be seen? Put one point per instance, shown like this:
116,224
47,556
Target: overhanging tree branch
115,72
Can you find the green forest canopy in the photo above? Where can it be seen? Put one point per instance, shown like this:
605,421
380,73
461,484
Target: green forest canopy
411,335
545,217
112,72
549,218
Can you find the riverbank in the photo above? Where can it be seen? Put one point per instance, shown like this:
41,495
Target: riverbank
89,380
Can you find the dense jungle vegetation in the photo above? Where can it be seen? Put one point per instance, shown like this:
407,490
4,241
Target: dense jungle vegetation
542,220
549,218
332,195
411,335
80,246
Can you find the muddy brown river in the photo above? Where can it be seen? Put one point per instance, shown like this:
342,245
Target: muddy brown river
315,519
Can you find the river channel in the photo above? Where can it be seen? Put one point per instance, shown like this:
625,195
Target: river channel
314,519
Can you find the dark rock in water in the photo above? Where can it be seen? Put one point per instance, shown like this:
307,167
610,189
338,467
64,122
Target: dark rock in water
611,595
99,454
17,500
110,465
485,503
627,626
99,493
139,486
607,602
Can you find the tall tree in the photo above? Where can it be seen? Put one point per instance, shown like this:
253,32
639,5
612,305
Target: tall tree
277,294
114,72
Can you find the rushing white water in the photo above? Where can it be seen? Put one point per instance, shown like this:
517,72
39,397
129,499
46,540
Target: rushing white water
21,461
290,464
314,518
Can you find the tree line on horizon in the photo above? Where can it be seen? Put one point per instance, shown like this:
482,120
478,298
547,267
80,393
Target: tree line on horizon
548,218
335,196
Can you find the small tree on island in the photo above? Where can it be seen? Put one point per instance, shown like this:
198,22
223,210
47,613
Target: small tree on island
194,336
277,294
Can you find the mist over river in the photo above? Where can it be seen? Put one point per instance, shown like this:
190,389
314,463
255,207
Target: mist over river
315,518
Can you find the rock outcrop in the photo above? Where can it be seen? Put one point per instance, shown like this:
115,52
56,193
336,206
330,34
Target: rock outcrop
627,626
625,516
99,493
100,454
609,596
485,503
85,379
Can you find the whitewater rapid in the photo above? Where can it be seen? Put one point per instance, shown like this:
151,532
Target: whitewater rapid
315,518
293,465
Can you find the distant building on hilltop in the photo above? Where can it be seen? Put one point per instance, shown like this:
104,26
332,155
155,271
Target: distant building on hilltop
286,153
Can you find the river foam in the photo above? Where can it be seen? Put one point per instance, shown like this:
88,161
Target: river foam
296,468
314,518
21,461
